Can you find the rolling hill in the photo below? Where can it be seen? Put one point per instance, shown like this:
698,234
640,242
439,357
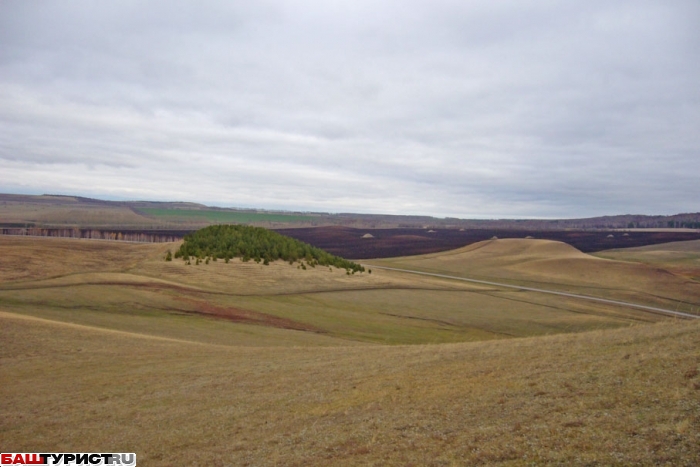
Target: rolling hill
625,396
107,346
130,286
558,266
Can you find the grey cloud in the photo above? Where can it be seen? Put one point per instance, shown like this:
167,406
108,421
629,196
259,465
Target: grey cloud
447,108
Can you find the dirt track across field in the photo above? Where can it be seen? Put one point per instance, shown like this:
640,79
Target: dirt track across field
551,292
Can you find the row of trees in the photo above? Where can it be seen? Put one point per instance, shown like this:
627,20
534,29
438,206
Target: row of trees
134,236
246,242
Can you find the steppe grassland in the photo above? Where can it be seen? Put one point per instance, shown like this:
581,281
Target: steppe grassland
96,357
558,266
91,282
682,258
28,259
614,397
131,288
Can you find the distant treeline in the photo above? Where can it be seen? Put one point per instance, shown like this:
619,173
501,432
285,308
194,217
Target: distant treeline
127,236
256,243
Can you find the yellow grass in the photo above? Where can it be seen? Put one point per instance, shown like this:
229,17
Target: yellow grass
558,266
616,397
681,258
130,286
106,347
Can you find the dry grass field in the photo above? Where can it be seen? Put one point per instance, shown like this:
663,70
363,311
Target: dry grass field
107,347
681,258
617,274
56,211
67,211
130,286
618,397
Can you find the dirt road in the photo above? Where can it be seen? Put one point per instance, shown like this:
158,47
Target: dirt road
551,292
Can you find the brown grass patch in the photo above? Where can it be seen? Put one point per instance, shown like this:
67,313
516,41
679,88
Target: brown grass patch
247,316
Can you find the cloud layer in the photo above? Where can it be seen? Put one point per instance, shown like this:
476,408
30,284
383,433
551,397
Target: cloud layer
447,108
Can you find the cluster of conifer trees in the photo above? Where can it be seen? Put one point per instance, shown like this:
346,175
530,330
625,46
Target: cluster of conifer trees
246,242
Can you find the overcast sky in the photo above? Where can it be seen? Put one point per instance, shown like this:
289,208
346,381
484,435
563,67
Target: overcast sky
447,108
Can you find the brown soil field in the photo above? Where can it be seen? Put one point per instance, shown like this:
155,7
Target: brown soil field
348,242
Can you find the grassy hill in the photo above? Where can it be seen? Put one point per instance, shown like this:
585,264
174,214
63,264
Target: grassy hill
558,266
106,346
680,258
131,287
615,397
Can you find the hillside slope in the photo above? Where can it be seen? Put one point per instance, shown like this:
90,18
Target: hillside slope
682,258
107,346
131,288
558,266
616,397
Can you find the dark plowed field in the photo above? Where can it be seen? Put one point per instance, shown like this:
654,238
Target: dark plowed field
348,242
